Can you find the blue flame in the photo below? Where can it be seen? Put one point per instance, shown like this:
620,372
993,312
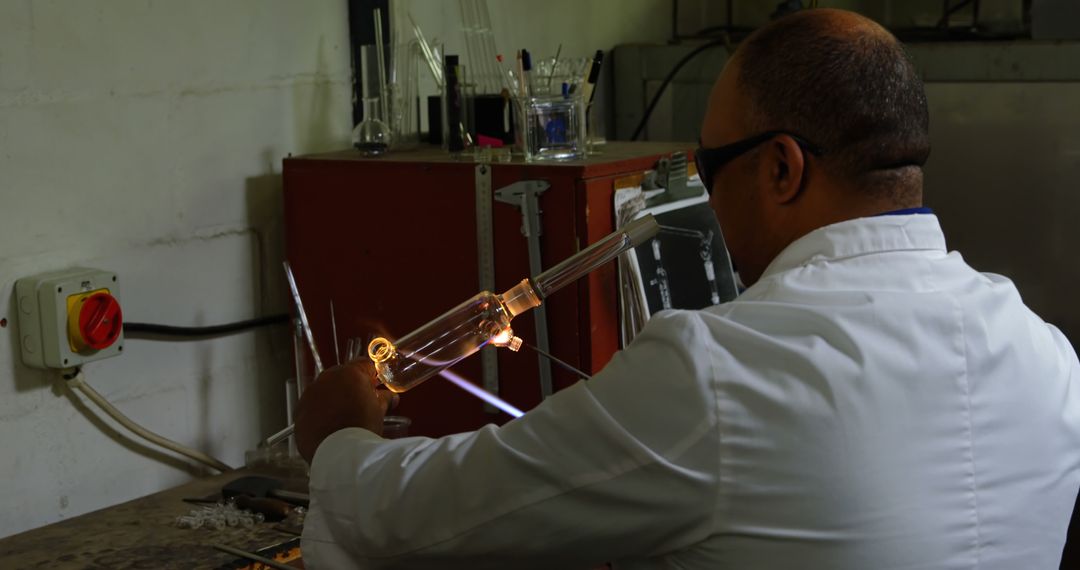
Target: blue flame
481,393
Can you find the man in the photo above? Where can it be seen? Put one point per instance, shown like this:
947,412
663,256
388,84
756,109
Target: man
869,402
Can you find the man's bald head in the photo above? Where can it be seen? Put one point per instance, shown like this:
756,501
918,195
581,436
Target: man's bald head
845,84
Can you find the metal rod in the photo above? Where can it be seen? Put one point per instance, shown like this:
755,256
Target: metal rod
333,326
485,255
380,54
278,437
554,66
554,359
303,319
685,232
288,431
252,556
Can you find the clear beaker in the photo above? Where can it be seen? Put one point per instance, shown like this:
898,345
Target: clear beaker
594,129
401,96
550,127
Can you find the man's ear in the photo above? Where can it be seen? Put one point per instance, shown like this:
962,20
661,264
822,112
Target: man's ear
784,169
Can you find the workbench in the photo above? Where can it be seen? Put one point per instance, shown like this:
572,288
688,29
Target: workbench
142,534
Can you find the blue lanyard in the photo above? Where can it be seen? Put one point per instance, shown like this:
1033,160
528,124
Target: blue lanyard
907,212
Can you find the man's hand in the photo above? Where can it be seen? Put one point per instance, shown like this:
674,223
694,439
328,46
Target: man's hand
343,396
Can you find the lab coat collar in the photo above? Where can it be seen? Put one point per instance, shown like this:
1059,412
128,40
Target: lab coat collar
860,236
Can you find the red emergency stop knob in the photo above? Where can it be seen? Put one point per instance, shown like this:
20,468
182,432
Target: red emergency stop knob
100,321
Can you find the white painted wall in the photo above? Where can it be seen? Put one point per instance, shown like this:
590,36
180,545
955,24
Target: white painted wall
146,137
581,26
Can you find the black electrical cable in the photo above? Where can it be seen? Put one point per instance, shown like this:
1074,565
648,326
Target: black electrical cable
139,329
724,41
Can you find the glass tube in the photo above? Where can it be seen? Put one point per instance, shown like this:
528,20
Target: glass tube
455,107
401,95
380,55
485,318
597,254
488,51
468,28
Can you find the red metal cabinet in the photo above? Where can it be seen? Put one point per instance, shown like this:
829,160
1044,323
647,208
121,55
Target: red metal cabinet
392,241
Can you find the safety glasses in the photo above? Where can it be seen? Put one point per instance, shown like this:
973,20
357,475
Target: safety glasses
709,160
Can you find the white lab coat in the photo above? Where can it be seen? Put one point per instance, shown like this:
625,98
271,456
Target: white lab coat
872,402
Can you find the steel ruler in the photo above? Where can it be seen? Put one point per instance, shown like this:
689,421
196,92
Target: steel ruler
485,256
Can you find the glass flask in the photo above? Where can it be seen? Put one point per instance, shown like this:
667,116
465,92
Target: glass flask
372,136
485,318
458,333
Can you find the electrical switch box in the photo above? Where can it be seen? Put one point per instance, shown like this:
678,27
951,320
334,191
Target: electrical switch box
68,318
